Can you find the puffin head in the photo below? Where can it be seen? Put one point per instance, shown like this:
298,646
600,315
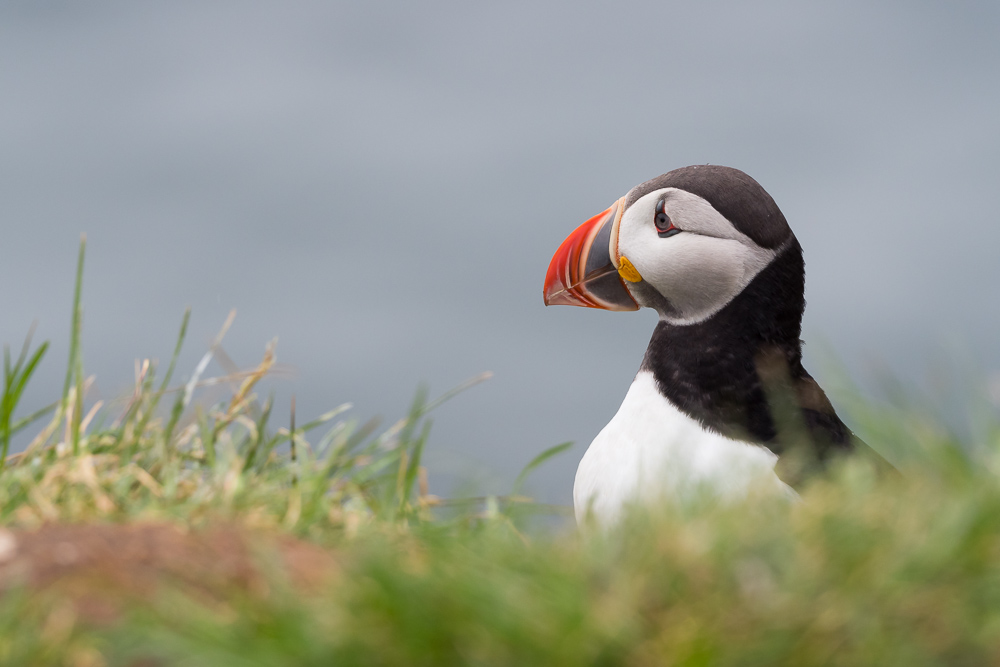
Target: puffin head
685,244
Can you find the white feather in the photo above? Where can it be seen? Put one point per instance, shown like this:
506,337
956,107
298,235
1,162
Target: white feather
699,270
651,452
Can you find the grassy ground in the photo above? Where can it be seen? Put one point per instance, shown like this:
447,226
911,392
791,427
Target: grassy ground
167,533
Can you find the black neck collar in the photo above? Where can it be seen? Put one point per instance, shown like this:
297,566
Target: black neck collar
711,370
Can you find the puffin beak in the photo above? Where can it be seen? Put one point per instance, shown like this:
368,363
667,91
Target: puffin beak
584,270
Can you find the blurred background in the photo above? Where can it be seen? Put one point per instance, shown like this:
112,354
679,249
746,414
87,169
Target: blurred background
381,186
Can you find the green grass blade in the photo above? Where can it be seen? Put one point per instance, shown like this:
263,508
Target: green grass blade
78,403
184,397
27,421
322,419
23,375
182,334
74,366
261,433
74,332
175,414
207,436
16,378
155,399
413,466
537,461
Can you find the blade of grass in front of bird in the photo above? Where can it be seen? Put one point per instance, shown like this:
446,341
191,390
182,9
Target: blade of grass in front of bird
5,404
137,416
401,452
184,397
291,445
175,414
261,435
24,422
15,381
154,401
207,433
535,462
324,418
451,393
413,466
282,436
417,409
339,458
338,440
73,365
78,408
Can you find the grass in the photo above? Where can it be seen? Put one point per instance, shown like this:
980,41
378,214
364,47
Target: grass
868,569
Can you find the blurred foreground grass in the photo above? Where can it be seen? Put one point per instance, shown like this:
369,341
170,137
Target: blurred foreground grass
210,541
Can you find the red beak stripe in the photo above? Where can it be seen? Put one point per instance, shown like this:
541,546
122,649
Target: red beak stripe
581,272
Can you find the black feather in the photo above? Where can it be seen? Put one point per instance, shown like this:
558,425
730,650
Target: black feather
722,371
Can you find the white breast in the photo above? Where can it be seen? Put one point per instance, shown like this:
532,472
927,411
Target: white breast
651,452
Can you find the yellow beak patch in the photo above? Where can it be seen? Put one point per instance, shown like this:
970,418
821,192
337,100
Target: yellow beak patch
627,271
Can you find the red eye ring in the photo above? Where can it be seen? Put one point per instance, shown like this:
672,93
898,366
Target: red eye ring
664,226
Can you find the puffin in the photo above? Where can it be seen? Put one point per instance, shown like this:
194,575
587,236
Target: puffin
721,392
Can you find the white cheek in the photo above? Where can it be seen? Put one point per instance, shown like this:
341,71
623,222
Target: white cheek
693,272
698,271
697,274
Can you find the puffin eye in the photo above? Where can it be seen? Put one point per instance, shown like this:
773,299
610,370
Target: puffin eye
664,227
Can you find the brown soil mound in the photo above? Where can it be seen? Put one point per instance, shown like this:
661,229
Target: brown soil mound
100,566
